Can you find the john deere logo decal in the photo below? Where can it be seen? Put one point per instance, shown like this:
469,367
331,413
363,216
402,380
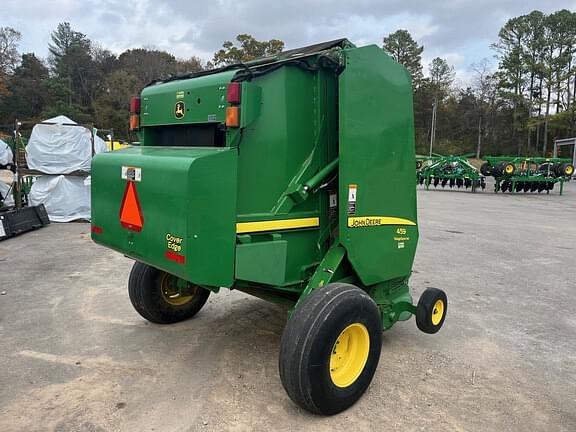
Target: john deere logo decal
180,109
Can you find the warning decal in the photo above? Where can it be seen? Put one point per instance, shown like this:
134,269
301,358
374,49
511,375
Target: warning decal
352,191
131,173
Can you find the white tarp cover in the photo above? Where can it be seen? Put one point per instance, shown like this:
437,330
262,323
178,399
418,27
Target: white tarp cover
6,193
66,198
5,153
59,149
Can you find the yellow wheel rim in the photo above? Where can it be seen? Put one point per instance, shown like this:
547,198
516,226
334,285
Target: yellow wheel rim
569,170
349,355
174,290
509,169
437,312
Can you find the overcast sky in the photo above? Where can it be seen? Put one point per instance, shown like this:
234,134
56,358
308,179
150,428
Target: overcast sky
459,30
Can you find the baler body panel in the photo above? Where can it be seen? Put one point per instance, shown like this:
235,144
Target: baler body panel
278,143
376,153
204,101
293,136
187,201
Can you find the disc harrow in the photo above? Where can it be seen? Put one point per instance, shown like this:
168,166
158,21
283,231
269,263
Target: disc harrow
521,174
448,171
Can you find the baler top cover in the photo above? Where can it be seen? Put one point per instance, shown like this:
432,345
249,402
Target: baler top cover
284,56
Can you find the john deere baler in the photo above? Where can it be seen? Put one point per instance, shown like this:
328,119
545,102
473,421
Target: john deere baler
290,178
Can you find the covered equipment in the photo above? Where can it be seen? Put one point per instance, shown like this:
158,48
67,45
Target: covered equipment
6,155
66,198
60,146
16,215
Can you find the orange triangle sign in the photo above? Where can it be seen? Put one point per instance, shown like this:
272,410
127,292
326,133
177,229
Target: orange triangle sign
130,212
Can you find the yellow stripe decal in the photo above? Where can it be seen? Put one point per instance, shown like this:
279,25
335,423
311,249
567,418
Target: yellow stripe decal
369,221
276,225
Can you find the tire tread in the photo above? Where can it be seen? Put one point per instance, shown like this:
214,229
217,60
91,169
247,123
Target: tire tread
298,337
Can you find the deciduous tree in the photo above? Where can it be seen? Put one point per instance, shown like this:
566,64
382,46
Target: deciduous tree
9,39
248,49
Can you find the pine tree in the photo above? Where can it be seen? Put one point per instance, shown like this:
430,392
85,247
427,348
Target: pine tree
405,51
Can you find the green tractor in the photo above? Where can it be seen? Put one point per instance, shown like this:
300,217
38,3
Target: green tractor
290,178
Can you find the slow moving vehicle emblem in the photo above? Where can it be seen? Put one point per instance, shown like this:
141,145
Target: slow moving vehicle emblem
180,109
130,211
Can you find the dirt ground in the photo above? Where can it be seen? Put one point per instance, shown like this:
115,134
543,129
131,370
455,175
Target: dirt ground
75,356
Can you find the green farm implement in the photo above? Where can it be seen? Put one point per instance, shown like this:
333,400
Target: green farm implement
289,178
17,216
523,174
448,171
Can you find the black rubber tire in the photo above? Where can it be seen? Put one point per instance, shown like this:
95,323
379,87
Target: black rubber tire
512,168
486,169
144,290
500,169
425,310
547,168
565,170
496,171
308,341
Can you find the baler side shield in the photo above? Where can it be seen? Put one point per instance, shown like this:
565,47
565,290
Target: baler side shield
376,169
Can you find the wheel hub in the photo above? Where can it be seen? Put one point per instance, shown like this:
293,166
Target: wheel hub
349,355
437,312
176,291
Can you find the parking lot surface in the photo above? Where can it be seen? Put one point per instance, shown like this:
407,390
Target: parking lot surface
75,356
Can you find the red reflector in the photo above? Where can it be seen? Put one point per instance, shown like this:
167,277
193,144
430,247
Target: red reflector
130,211
135,105
233,93
180,259
96,229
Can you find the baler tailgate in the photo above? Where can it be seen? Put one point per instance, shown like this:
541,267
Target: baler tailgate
164,206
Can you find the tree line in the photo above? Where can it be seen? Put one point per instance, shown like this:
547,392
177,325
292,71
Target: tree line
90,84
518,107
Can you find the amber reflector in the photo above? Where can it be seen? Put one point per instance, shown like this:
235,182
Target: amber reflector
233,116
134,122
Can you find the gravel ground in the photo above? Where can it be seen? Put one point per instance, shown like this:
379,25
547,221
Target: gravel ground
74,356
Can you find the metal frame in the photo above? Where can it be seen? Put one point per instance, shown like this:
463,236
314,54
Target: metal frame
525,173
432,171
563,142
